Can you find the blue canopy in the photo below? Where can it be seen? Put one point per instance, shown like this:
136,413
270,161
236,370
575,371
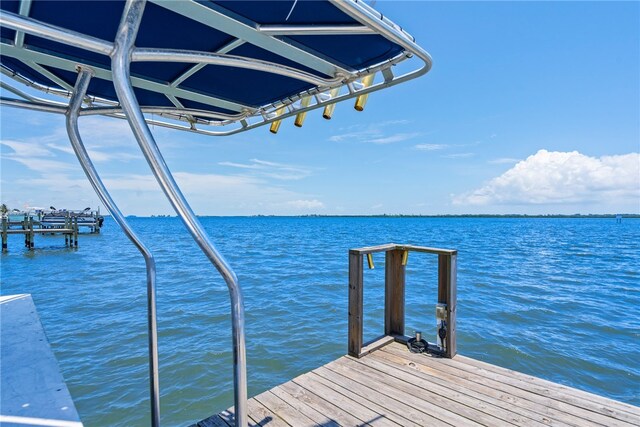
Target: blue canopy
283,51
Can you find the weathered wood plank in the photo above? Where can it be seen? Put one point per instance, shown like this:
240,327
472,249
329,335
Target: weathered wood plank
304,408
380,393
380,408
312,399
599,400
453,400
284,410
598,412
345,404
483,393
421,398
391,387
263,416
544,395
376,344
391,246
213,421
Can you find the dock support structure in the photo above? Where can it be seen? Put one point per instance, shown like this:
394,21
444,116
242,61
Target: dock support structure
394,312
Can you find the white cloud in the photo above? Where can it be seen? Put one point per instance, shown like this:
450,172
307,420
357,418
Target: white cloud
398,137
459,155
207,194
273,170
305,205
44,166
103,132
95,155
25,149
503,160
563,178
430,147
376,133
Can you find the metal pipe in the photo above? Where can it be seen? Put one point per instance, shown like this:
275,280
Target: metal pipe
28,97
82,83
35,106
109,111
125,38
372,19
53,33
169,55
313,30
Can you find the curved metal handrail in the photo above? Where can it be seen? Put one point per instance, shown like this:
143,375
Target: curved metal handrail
121,59
75,103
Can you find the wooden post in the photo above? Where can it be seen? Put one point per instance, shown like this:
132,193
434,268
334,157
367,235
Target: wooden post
447,271
75,232
4,234
31,235
66,234
25,227
355,303
394,293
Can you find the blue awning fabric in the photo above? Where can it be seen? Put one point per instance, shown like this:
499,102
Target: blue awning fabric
163,27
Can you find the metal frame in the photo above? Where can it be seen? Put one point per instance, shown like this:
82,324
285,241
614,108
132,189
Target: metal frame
263,36
340,85
75,103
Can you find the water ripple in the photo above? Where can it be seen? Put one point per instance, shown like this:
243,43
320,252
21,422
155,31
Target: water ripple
555,298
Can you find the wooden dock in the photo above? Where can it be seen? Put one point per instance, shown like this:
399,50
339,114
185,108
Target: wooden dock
393,387
66,223
382,383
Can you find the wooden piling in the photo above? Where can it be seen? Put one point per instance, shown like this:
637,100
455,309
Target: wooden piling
31,235
4,234
447,294
355,303
66,235
25,227
75,232
394,293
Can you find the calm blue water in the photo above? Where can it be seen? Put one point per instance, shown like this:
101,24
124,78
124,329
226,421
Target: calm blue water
555,298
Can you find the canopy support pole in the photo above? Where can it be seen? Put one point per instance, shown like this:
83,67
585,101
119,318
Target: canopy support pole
120,64
72,114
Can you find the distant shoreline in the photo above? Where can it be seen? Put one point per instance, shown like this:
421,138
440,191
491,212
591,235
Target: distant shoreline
611,216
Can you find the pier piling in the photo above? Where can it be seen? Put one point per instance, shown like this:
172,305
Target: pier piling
4,234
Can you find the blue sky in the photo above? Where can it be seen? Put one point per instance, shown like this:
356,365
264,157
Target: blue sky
531,107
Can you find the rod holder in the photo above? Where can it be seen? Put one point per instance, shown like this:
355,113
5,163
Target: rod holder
405,257
275,126
304,103
328,110
362,99
370,261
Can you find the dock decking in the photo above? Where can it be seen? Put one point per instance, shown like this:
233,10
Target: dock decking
393,387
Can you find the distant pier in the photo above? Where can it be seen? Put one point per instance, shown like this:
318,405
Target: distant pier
64,222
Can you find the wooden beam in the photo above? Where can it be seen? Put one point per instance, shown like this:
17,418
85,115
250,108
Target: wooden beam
355,303
394,293
447,294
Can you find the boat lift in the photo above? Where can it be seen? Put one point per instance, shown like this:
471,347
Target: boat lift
210,67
